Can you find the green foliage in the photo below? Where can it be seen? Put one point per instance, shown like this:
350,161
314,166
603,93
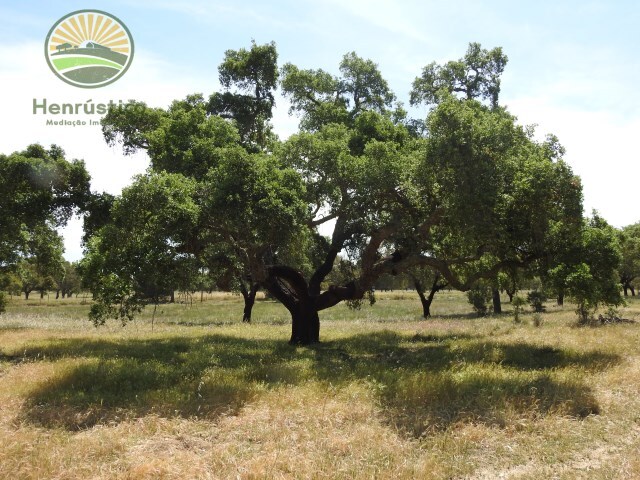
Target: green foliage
594,282
138,256
498,188
10,282
68,280
41,261
251,197
3,302
356,304
536,299
40,190
324,99
97,213
476,75
114,298
473,196
182,139
253,74
629,269
479,297
518,303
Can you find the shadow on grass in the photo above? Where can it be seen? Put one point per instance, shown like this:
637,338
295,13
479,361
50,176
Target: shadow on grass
423,382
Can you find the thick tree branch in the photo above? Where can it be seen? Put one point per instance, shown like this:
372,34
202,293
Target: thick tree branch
320,221
337,242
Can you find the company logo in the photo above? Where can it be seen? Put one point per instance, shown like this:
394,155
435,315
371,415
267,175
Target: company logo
89,48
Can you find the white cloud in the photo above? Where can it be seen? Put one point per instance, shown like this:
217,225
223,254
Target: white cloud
213,12
398,18
601,149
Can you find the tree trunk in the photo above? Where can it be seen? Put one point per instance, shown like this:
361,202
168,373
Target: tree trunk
497,306
426,303
321,273
153,317
305,324
560,301
427,300
417,284
510,294
58,294
626,286
26,294
290,288
41,294
249,300
173,297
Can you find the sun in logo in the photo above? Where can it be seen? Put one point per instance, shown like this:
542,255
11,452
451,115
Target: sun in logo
89,48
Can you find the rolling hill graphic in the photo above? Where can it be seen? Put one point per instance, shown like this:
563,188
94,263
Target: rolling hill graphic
91,63
89,48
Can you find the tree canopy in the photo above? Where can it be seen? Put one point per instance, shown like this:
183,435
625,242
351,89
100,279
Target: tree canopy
469,195
475,76
41,190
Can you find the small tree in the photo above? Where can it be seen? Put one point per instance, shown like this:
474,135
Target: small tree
3,302
10,283
629,269
479,297
518,303
510,281
536,299
27,273
150,220
67,280
593,282
426,280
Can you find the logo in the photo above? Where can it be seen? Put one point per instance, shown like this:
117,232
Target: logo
89,48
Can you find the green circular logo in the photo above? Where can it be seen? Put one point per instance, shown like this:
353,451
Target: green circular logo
89,48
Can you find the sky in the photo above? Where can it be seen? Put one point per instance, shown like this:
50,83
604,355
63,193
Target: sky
573,71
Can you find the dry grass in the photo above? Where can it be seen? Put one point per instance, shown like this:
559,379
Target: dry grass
385,395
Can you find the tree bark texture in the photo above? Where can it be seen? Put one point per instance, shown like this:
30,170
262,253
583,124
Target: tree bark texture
497,306
249,300
427,300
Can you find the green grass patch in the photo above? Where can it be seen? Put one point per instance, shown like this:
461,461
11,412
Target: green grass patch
81,61
386,394
423,382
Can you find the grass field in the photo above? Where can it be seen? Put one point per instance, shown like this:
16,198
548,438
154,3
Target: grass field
386,394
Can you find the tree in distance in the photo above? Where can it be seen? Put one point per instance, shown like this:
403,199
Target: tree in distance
629,238
41,190
592,279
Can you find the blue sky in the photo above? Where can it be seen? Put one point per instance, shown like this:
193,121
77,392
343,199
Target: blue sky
573,69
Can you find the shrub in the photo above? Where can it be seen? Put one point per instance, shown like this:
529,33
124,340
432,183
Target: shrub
479,297
537,320
518,302
536,299
590,291
3,302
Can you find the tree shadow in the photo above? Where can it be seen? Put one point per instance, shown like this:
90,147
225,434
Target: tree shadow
457,316
429,382
422,381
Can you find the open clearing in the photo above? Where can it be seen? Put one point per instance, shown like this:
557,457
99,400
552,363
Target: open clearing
386,394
